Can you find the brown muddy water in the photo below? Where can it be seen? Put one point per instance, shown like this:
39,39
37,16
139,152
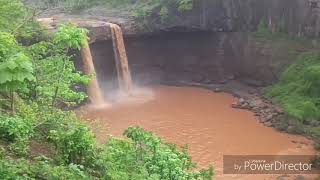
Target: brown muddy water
202,119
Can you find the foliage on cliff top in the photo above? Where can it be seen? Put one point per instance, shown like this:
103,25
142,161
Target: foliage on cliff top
18,20
11,14
141,8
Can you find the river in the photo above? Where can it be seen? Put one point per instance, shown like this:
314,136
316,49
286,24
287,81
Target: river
202,119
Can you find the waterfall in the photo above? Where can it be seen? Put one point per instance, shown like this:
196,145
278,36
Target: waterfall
93,89
124,76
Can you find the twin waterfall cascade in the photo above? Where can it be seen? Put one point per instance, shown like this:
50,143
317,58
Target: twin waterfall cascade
93,88
123,71
124,76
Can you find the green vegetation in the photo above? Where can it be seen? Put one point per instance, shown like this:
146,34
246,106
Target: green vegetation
40,138
263,31
277,32
146,156
298,91
298,88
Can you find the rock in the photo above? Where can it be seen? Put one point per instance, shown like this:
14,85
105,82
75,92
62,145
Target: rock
207,81
256,103
267,110
255,108
303,143
269,117
217,90
241,101
245,105
314,123
268,124
278,109
235,105
251,91
292,129
255,111
262,120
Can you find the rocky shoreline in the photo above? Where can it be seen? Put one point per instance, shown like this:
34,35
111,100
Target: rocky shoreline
265,111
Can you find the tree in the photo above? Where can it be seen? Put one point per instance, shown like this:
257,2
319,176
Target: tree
11,14
15,67
55,72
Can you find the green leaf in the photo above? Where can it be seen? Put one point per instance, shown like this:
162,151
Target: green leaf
11,64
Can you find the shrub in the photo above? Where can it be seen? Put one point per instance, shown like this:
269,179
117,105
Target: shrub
75,143
56,75
44,169
118,161
298,89
11,14
147,157
41,168
70,36
185,5
299,93
17,131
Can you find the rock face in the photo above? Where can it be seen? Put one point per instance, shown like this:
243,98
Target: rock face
210,44
301,17
296,16
200,57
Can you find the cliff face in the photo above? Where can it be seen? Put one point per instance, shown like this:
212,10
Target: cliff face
294,16
301,17
212,43
200,57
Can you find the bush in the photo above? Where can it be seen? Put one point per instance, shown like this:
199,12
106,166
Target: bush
74,143
56,75
42,168
11,14
299,93
147,157
118,161
16,131
298,90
